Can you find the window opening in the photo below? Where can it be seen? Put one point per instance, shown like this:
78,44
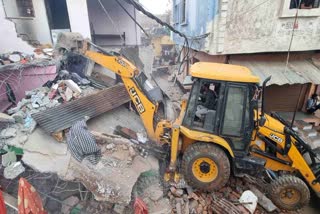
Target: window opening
234,112
25,8
183,12
205,111
304,4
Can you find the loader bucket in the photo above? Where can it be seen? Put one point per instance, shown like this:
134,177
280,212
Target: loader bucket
68,41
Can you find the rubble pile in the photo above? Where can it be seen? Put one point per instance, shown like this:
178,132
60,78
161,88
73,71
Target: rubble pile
228,199
149,189
15,57
39,100
52,94
114,176
18,124
42,52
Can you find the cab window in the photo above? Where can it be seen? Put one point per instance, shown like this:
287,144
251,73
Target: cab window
235,109
202,107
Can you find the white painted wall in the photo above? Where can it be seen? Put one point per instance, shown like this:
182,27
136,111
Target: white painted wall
122,22
267,28
9,41
38,27
11,8
79,17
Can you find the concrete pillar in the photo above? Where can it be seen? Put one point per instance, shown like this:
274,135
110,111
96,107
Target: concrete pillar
79,18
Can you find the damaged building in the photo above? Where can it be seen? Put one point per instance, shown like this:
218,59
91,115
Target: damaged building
97,114
39,22
258,39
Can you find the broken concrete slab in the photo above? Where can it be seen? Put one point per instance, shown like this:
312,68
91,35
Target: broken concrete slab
106,122
110,180
4,118
13,170
57,164
23,139
39,142
19,117
8,159
8,133
263,201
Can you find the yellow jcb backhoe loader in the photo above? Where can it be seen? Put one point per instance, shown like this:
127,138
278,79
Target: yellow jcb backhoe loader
220,129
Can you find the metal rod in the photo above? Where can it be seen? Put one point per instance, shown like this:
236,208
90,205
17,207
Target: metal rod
296,108
133,19
264,85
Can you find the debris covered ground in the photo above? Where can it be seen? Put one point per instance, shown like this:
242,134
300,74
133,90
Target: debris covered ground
122,175
124,172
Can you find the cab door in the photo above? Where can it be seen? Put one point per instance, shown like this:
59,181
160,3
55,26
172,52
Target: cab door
237,122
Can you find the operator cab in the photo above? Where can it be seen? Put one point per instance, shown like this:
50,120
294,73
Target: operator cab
222,102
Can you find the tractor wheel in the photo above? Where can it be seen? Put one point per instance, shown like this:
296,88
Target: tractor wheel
205,166
289,193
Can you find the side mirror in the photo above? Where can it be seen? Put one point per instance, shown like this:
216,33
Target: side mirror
262,120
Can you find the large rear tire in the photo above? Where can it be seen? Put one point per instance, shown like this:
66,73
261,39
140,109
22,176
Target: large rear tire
205,166
289,193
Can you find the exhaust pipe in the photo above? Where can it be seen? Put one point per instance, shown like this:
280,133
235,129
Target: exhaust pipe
262,119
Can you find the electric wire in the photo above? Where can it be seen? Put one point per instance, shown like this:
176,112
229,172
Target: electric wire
140,8
135,21
111,20
292,34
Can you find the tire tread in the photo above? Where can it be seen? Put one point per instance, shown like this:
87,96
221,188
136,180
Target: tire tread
278,184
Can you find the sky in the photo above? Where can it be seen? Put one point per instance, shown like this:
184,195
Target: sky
155,6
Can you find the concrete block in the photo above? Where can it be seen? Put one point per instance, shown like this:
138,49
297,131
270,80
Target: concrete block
14,170
8,133
4,118
19,117
263,201
8,159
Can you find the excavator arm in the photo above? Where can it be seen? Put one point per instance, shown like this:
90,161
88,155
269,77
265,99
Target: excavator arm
143,95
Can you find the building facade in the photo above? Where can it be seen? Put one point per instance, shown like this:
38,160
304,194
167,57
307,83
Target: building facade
39,21
257,34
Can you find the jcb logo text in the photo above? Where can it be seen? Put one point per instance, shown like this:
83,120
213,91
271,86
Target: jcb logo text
137,100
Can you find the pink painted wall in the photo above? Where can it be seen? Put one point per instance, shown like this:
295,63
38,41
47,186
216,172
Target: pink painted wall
24,80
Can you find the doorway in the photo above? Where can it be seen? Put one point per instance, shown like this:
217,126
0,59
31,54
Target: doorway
58,17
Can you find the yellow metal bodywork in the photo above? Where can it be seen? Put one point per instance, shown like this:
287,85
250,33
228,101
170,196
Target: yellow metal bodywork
223,72
298,163
206,137
126,70
174,147
179,133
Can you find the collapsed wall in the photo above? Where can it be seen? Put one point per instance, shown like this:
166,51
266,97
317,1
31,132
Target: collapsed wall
10,41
